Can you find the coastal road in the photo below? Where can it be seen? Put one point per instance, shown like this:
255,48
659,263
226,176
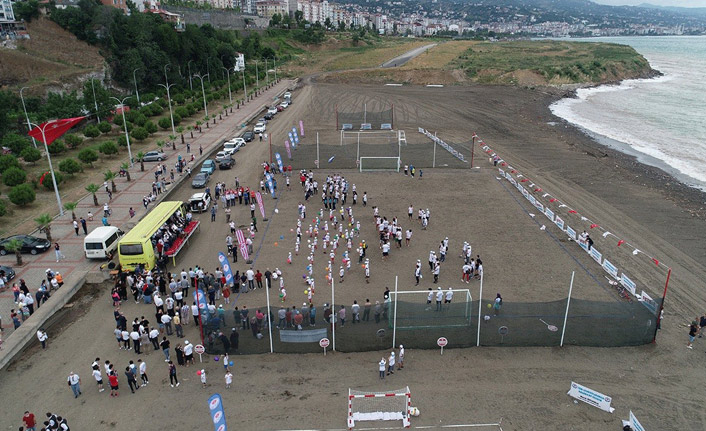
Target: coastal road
404,58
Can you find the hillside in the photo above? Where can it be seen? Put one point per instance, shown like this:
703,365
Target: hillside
52,58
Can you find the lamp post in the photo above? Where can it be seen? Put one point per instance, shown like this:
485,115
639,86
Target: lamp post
127,136
275,60
188,64
169,97
51,168
208,69
230,96
245,89
267,73
95,102
137,93
203,92
27,116
257,76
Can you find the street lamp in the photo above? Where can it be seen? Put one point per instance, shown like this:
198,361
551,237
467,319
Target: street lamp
208,69
267,73
223,63
196,75
137,93
169,97
188,64
27,116
51,168
257,76
275,60
230,96
95,102
127,136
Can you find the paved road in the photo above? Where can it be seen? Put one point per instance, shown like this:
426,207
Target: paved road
129,195
404,58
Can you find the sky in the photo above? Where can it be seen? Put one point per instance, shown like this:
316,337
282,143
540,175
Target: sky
681,3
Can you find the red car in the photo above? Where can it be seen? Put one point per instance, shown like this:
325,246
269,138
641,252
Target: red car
280,108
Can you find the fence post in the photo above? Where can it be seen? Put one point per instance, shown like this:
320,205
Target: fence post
394,319
269,326
333,315
566,315
480,309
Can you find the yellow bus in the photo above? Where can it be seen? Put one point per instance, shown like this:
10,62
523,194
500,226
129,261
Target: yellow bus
136,246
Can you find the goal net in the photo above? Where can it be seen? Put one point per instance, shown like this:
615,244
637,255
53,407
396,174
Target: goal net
379,406
368,164
412,309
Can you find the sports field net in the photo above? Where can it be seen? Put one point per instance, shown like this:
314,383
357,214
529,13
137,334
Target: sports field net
414,310
612,323
368,164
378,406
365,119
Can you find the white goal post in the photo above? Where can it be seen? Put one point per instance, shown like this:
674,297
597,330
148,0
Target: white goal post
379,406
368,164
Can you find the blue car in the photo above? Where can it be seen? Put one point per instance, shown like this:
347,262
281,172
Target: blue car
208,167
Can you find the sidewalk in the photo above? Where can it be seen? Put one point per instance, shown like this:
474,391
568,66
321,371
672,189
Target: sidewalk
75,267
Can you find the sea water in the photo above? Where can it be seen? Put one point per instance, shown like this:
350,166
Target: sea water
661,121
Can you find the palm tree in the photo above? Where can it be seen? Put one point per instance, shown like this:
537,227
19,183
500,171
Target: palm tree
198,126
225,109
173,139
15,245
110,176
71,206
125,166
191,130
141,158
180,130
44,224
160,145
92,189
205,120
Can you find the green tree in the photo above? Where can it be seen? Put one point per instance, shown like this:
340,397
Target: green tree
104,127
88,156
59,105
70,166
71,206
180,131
3,208
74,141
151,127
276,20
31,155
44,225
92,132
92,189
140,134
57,147
102,98
49,185
165,123
16,143
110,176
13,177
108,148
26,10
141,158
15,246
122,141
22,195
8,161
126,167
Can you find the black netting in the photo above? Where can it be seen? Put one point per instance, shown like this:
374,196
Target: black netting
359,120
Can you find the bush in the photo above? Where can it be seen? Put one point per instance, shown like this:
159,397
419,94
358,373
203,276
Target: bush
122,142
179,98
192,110
105,127
8,161
177,119
70,166
3,208
57,147
47,183
31,154
156,109
14,177
16,143
181,111
109,147
140,120
74,141
87,156
140,134
22,195
118,120
151,127
91,132
163,103
165,123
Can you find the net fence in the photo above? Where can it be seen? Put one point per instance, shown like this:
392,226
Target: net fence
419,325
359,120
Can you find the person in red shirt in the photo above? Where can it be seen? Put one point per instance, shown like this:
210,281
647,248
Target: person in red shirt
113,379
29,421
258,278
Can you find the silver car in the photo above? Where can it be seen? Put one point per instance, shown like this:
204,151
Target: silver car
154,156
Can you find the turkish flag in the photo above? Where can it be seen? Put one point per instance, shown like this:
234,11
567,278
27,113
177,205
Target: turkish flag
620,242
54,129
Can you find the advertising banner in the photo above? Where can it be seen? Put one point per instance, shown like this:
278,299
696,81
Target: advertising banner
227,272
258,198
215,407
589,396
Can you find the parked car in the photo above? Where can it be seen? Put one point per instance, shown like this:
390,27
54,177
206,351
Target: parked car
154,156
226,163
230,148
7,272
200,180
30,244
222,155
269,116
284,104
248,136
280,108
272,110
259,128
208,167
199,202
288,96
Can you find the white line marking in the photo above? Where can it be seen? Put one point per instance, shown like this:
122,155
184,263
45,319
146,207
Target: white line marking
394,428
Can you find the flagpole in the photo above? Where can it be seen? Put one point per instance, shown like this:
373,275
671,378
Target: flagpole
51,168
269,326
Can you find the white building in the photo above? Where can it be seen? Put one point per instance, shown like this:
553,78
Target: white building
6,12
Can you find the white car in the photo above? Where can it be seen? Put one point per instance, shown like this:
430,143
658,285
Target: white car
287,95
284,104
222,155
259,128
272,110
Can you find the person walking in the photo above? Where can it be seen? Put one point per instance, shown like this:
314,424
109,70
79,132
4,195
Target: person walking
113,380
76,227
98,376
173,374
391,364
165,348
202,374
142,366
74,381
693,330
381,368
83,225
131,380
229,379
57,251
42,337
497,304
29,421
400,358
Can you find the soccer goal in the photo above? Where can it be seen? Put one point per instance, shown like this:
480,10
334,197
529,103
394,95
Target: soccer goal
411,309
369,136
379,406
368,164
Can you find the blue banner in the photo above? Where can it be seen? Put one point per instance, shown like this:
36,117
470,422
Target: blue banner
270,183
200,299
279,161
291,140
215,407
227,272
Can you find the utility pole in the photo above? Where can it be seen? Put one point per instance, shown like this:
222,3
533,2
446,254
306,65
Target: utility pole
203,91
29,127
137,93
169,97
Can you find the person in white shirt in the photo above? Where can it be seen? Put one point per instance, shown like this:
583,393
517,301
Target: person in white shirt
229,379
99,378
135,337
74,382
449,296
203,377
143,372
42,336
439,296
381,368
154,338
355,310
391,364
400,358
167,322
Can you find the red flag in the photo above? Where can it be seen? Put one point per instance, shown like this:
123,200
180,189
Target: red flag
552,200
54,129
513,171
524,180
572,211
538,189
620,242
655,261
503,164
593,225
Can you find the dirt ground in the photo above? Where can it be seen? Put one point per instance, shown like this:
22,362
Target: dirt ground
526,387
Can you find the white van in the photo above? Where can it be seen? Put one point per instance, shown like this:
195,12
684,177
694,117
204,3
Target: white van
199,202
102,242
